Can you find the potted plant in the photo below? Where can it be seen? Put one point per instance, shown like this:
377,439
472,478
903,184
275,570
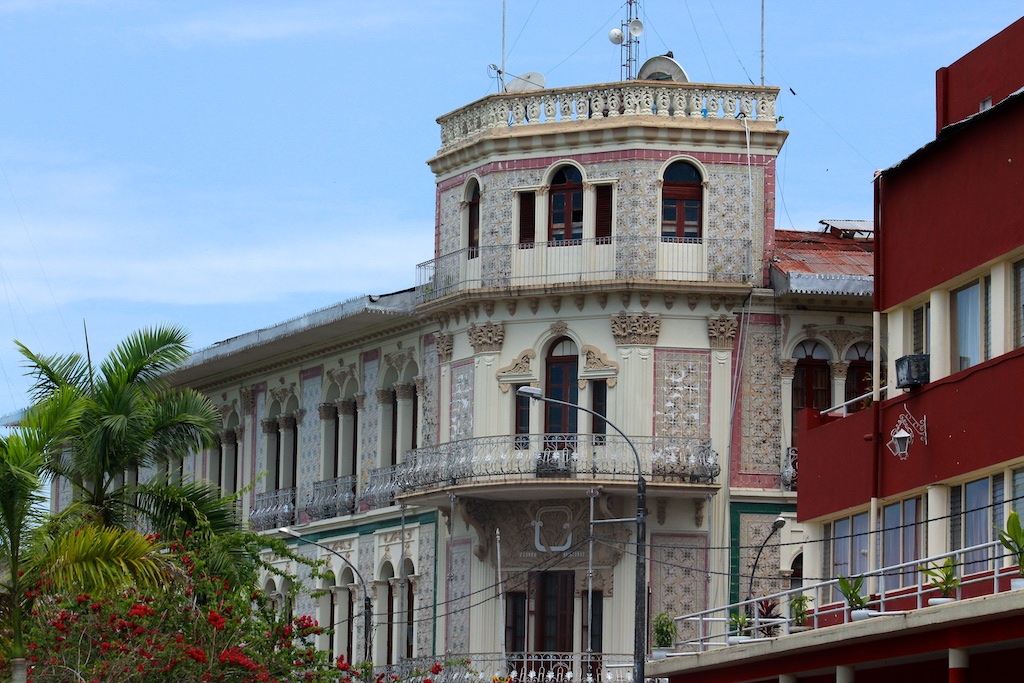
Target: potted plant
858,603
664,634
798,612
1012,538
738,623
942,577
769,618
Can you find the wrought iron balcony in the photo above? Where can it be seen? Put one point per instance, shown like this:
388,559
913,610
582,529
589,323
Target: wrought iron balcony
542,457
273,509
511,266
332,498
525,667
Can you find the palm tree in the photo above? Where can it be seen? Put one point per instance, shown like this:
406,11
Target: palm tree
131,419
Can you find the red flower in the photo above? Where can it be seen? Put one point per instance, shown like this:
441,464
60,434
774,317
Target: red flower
436,669
216,620
197,654
342,664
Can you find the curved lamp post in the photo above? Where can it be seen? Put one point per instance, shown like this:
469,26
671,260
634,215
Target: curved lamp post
640,632
777,524
367,603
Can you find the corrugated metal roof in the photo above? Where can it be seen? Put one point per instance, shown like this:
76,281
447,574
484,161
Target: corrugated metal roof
824,262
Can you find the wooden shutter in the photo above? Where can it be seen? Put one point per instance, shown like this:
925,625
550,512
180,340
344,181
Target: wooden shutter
603,221
527,217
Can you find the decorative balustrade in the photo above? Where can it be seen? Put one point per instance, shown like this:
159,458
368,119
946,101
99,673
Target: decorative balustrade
679,101
332,498
273,509
523,667
511,266
517,458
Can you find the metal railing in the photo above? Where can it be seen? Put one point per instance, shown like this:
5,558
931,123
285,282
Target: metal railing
537,457
511,266
273,509
523,667
845,405
890,590
332,498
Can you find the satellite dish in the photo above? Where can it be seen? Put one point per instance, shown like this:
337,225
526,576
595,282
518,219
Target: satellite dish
616,36
528,81
662,68
636,28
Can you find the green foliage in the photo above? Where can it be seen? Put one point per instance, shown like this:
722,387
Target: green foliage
768,610
798,608
130,418
942,576
664,630
851,592
1012,538
738,622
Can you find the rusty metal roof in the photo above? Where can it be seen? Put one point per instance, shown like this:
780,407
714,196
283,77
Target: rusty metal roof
836,260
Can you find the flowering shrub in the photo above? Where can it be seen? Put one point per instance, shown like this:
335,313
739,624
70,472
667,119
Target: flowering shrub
203,628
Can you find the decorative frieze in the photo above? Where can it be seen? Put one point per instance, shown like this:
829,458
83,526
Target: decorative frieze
595,362
636,329
520,366
559,328
722,332
283,393
248,396
487,337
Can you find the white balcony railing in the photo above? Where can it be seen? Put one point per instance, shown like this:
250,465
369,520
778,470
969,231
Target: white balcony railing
511,266
524,667
666,100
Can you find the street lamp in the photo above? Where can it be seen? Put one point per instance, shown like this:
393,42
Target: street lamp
640,632
777,524
367,603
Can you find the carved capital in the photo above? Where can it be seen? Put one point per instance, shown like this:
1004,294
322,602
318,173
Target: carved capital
787,367
722,331
385,397
360,400
839,368
286,422
444,347
487,337
269,425
405,392
240,432
640,329
346,406
327,411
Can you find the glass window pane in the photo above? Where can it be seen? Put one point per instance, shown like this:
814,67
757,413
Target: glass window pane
976,523
859,544
968,326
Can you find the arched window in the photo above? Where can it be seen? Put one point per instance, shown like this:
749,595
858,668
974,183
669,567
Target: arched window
858,375
681,208
811,380
560,422
473,219
565,207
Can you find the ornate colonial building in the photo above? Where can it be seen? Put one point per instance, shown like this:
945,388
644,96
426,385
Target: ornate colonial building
614,247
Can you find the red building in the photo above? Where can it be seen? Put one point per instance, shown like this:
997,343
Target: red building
936,463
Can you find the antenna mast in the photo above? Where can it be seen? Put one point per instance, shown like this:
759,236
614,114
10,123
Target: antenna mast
501,74
628,39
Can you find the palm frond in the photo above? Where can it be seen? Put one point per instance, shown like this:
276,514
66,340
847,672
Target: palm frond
96,559
172,508
49,373
146,356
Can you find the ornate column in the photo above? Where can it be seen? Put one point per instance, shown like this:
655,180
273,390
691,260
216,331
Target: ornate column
787,367
330,465
273,481
387,453
226,476
405,395
240,478
288,459
839,369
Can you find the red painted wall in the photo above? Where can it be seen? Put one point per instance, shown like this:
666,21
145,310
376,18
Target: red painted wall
974,418
993,69
836,463
952,206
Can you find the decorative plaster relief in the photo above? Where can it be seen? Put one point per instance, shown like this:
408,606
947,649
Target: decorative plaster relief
640,329
722,332
761,396
488,337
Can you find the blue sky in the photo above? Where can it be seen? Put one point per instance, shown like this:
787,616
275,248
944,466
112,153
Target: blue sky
228,165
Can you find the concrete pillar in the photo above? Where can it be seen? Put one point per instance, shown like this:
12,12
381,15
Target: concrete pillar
959,665
939,335
938,520
787,678
844,674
